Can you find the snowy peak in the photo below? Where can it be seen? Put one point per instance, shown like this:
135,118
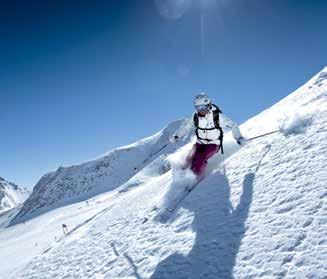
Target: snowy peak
11,195
315,88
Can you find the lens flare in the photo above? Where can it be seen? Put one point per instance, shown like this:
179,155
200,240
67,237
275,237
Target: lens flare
175,9
172,9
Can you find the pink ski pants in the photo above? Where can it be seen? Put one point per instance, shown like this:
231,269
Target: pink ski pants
199,156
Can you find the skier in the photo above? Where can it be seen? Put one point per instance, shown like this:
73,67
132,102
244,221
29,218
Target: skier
208,132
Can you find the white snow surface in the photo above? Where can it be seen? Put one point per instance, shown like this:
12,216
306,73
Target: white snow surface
260,212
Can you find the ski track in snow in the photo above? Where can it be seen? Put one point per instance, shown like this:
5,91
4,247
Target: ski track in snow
262,214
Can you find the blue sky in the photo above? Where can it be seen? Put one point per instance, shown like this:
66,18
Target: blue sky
78,79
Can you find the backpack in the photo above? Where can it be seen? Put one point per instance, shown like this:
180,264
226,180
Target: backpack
217,126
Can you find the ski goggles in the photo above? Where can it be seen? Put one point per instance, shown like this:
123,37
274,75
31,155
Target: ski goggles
202,108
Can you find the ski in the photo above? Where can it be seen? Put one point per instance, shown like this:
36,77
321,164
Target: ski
183,196
163,214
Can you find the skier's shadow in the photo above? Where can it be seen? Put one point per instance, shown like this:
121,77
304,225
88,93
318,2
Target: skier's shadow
219,230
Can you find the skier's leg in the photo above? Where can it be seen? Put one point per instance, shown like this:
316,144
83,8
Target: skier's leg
203,153
198,162
211,149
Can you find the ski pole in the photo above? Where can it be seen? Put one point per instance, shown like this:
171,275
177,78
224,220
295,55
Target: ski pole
273,132
276,131
263,135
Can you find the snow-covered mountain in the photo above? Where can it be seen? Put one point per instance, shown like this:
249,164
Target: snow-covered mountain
76,183
259,213
11,195
80,182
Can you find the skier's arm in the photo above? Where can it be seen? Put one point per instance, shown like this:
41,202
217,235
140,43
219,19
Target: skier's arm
238,136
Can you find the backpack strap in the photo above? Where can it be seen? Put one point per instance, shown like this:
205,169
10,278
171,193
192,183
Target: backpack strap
216,115
217,124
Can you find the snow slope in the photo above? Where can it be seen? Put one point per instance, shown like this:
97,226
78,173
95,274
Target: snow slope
80,182
259,213
11,195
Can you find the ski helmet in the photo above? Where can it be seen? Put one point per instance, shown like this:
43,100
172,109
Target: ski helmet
202,103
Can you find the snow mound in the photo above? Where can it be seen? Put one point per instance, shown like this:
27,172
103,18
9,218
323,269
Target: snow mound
296,123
